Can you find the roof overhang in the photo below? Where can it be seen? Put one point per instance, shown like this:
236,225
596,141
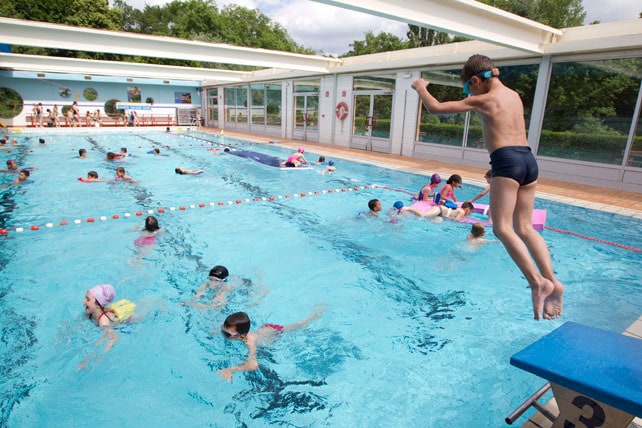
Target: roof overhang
49,64
466,18
55,36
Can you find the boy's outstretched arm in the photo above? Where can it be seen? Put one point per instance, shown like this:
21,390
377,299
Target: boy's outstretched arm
434,106
250,364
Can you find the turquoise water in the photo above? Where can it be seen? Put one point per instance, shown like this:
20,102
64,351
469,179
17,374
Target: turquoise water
418,331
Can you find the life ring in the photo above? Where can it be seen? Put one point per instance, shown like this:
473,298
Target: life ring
341,110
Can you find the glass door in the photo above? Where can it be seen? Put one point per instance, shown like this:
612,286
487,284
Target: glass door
372,121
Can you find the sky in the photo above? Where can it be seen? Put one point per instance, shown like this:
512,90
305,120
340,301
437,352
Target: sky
330,30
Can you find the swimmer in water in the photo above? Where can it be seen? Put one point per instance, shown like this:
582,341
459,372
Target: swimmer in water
456,214
182,171
237,327
218,280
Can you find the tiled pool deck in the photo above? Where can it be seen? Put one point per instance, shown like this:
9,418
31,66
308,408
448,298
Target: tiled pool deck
599,198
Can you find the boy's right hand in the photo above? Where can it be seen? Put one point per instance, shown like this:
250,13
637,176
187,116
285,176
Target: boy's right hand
419,83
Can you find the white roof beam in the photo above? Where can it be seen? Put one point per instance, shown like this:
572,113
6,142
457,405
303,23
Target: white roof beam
55,36
50,64
466,18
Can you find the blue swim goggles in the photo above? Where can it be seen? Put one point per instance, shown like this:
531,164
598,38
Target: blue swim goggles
483,75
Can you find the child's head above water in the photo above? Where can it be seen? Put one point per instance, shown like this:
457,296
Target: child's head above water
238,322
477,230
103,293
219,272
151,224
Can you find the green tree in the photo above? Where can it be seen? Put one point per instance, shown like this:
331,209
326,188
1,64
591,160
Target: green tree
382,42
556,13
421,36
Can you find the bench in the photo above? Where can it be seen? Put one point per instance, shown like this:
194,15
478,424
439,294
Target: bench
596,375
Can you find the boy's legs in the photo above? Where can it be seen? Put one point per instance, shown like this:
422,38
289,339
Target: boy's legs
537,247
509,205
299,325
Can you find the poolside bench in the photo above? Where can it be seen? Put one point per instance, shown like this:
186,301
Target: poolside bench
596,375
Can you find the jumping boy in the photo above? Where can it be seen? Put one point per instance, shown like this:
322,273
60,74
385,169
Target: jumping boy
514,175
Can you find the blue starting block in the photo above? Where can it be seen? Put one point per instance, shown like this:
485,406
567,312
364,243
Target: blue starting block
596,375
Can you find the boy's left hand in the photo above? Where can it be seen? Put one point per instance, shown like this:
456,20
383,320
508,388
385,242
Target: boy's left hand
226,374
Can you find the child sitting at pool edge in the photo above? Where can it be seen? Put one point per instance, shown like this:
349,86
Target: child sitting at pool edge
237,327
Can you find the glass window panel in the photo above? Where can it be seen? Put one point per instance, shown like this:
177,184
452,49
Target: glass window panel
381,113
258,104
273,106
230,104
446,86
447,129
242,109
212,111
307,85
373,83
635,156
589,109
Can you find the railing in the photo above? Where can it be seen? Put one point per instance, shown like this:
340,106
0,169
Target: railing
532,401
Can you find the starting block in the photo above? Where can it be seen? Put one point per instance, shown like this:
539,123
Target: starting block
595,375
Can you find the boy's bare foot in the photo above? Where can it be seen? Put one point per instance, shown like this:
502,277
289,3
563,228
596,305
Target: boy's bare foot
554,302
539,293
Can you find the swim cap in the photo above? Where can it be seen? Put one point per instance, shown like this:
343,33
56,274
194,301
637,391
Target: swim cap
10,161
398,205
301,150
435,179
219,272
331,163
103,293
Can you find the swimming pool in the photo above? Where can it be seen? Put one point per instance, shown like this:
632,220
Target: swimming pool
418,329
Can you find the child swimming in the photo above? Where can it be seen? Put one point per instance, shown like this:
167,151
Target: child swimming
237,327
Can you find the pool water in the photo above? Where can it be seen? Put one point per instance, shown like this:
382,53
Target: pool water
418,331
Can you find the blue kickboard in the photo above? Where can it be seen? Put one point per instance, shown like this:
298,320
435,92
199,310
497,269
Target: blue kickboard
599,364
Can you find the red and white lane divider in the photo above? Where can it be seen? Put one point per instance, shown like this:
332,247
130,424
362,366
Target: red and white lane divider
185,207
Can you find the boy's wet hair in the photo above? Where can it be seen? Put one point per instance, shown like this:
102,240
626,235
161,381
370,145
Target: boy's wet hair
92,174
372,203
477,230
240,320
468,205
476,64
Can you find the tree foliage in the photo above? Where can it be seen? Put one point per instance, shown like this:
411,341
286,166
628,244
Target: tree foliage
186,19
382,42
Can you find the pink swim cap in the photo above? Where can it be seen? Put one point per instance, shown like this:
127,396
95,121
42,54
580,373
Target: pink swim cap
301,150
10,161
103,293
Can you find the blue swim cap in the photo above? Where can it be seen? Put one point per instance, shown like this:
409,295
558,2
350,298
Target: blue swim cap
398,205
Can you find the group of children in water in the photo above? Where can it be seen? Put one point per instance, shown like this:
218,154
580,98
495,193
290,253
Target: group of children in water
442,204
105,314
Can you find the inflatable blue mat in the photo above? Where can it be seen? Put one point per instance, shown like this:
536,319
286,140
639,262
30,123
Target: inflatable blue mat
258,157
600,364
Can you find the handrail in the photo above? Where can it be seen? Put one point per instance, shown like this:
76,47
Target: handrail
532,401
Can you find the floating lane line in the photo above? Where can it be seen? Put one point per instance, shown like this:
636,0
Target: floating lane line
4,232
